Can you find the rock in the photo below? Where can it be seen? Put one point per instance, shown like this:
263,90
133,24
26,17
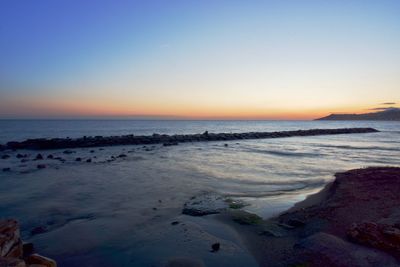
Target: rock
122,156
215,247
11,262
175,223
41,166
12,250
170,144
91,151
5,156
89,160
78,159
39,259
6,169
225,145
39,157
380,236
235,204
245,218
9,237
27,249
50,156
295,222
272,229
167,140
205,204
68,152
20,156
38,230
16,251
60,159
322,249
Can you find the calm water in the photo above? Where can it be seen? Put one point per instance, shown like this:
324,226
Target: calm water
78,200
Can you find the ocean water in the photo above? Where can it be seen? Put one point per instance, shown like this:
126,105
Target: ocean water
118,212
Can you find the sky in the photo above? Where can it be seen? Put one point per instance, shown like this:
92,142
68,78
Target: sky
282,59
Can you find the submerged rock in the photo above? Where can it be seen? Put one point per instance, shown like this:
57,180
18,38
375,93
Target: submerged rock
38,230
205,204
246,218
170,144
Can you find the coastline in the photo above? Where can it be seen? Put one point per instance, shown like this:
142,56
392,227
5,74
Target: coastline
353,221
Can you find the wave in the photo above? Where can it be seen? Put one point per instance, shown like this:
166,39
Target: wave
279,192
282,153
360,147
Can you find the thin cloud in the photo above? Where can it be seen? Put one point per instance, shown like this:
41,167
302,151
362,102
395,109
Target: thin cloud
382,109
388,103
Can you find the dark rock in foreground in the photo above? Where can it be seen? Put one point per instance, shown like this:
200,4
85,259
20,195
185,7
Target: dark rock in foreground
167,140
354,221
13,253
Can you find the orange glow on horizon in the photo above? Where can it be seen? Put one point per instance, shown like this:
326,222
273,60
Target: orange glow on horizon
69,108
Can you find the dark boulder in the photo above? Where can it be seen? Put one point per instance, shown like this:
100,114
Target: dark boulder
41,166
215,247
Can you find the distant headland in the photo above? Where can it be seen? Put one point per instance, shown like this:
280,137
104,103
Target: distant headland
390,114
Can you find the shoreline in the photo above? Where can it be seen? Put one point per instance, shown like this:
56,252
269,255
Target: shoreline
167,140
353,221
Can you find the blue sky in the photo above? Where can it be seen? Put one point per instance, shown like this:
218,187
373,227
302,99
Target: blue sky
263,59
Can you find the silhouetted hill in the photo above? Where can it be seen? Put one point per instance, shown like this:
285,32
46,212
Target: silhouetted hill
391,114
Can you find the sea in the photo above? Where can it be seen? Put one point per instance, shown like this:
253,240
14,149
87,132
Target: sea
114,211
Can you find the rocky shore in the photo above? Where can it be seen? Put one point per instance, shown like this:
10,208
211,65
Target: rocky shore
354,221
167,140
15,253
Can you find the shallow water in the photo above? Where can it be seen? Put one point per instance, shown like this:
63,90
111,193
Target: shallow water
119,213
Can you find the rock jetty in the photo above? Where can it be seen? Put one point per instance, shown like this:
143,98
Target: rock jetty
15,253
168,140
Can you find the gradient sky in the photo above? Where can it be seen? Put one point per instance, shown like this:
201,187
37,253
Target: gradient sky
277,59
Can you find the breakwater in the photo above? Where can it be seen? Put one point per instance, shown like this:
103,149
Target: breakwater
96,141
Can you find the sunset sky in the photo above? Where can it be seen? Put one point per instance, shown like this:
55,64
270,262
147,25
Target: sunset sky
197,59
